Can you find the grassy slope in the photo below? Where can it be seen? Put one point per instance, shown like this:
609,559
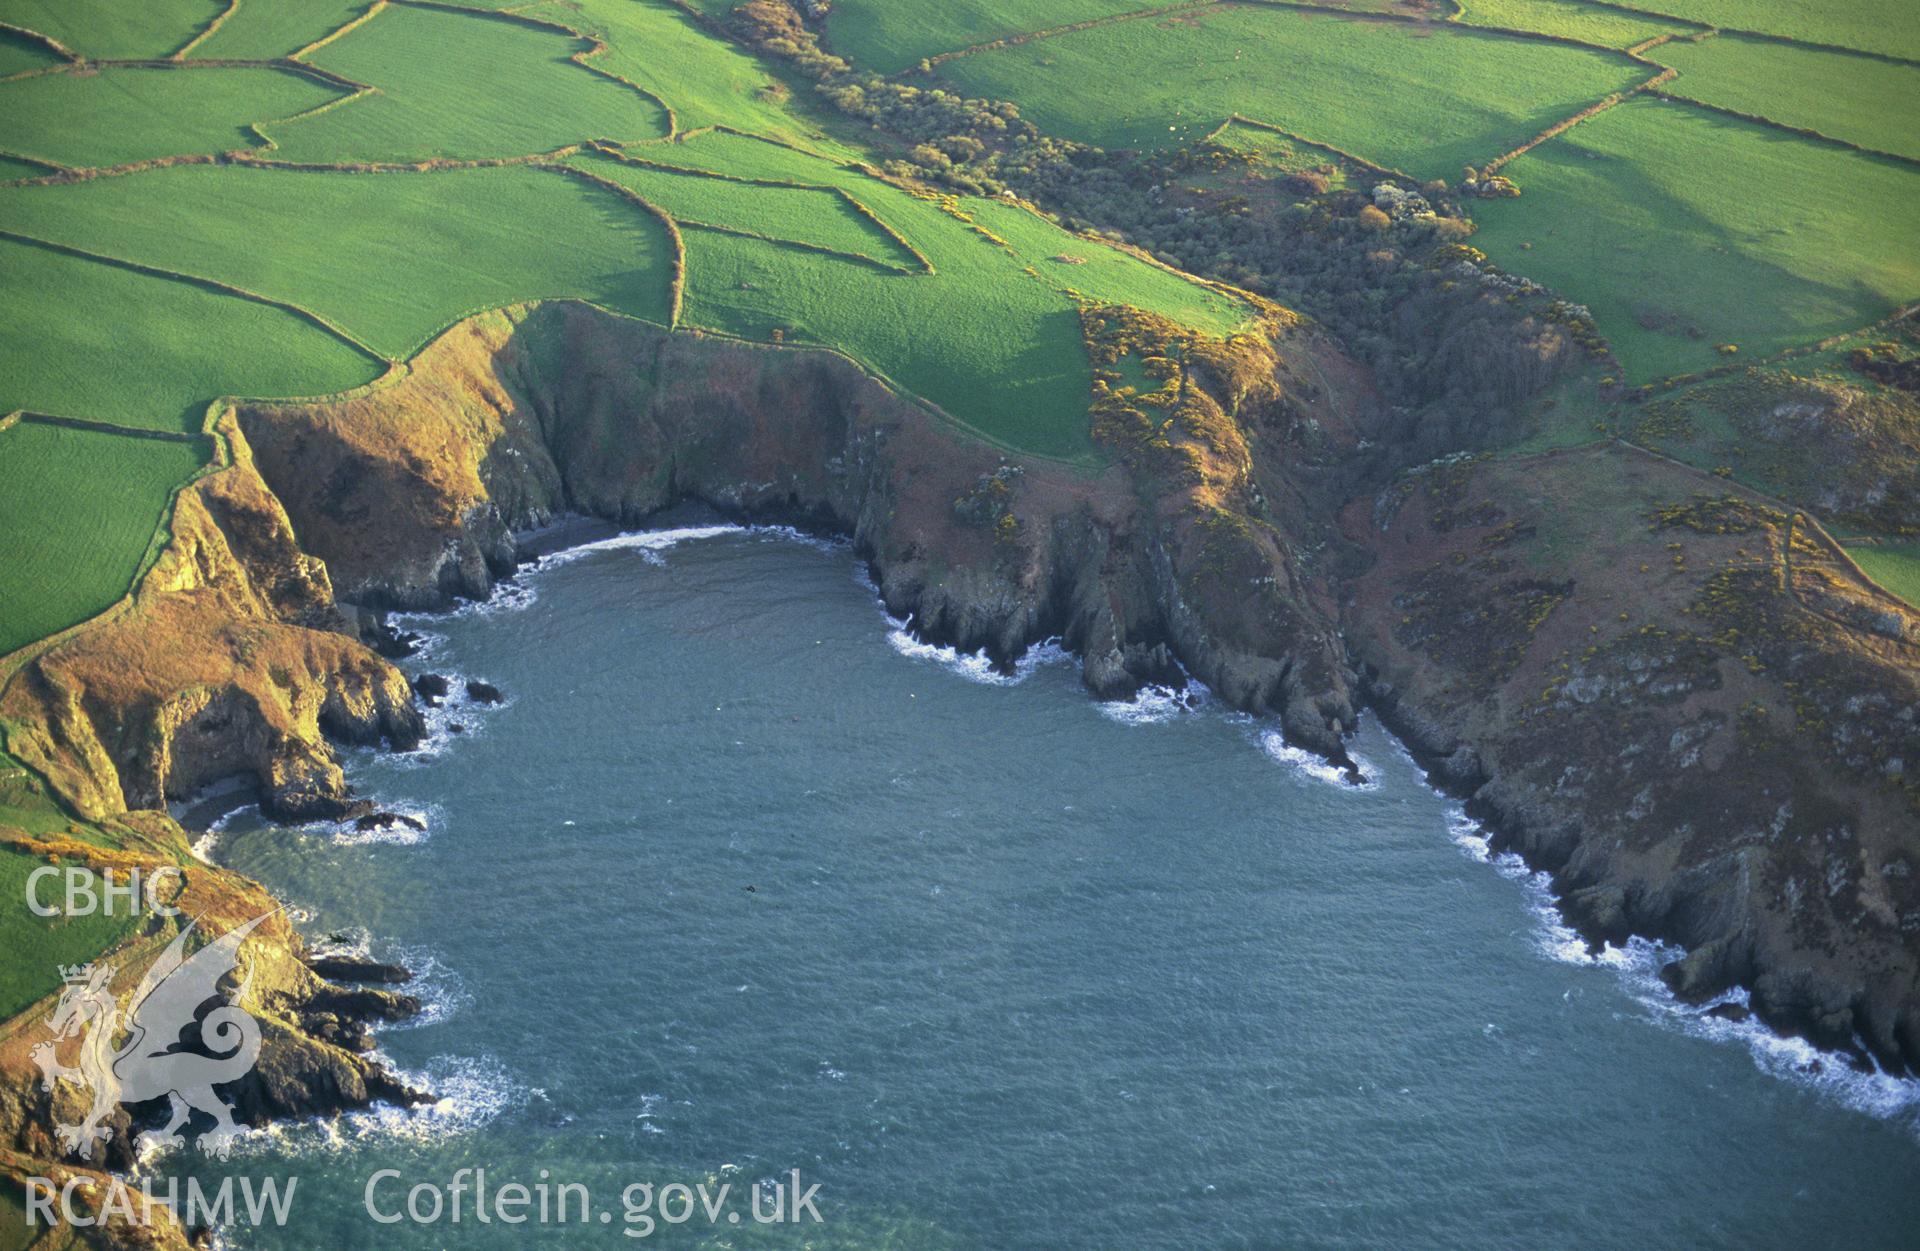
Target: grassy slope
69,572
148,28
1895,566
83,339
1870,25
888,36
815,216
463,86
262,29
1860,99
391,258
1424,99
19,54
118,115
1682,217
37,946
1570,19
654,44
1006,356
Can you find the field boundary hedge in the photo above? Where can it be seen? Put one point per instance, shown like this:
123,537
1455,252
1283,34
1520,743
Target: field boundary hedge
627,156
206,32
677,281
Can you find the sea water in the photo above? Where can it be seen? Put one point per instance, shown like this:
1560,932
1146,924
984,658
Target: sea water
741,880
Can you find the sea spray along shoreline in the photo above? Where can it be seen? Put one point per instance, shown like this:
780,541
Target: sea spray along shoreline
699,1038
1723,1019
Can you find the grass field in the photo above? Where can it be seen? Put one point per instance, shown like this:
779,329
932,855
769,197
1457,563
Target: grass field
1684,229
654,44
808,215
1856,98
56,575
112,116
533,98
1870,25
149,28
1569,19
37,946
888,36
1895,566
79,338
1007,359
264,29
391,258
19,54
1426,99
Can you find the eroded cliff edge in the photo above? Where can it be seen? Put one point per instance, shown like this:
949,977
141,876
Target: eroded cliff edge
1694,712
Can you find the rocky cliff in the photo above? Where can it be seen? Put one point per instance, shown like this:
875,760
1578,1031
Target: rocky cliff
1674,694
410,494
1680,698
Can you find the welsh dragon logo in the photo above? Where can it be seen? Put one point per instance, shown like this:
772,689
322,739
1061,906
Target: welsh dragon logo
152,1060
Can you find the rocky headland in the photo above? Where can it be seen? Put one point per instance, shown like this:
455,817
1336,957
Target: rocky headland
1676,695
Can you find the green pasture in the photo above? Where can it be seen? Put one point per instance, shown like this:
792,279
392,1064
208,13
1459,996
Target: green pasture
462,86
19,54
748,156
815,215
124,29
391,258
264,29
113,116
655,44
887,36
1684,229
81,338
1886,26
1000,353
1427,99
1895,566
108,491
1570,19
37,946
1860,99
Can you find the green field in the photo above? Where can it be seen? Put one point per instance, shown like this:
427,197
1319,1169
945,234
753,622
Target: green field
390,258
530,96
264,29
816,215
19,55
79,338
888,36
1886,26
1895,566
1683,229
1426,99
147,29
69,572
1569,19
113,116
1860,99
37,946
654,44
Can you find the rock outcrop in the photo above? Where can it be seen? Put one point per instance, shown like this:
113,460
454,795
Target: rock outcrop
410,494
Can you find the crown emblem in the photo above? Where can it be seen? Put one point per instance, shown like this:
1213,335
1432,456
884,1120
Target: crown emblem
75,974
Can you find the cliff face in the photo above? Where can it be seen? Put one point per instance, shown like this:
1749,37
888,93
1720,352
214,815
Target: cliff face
1679,698
409,494
312,1031
1672,694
